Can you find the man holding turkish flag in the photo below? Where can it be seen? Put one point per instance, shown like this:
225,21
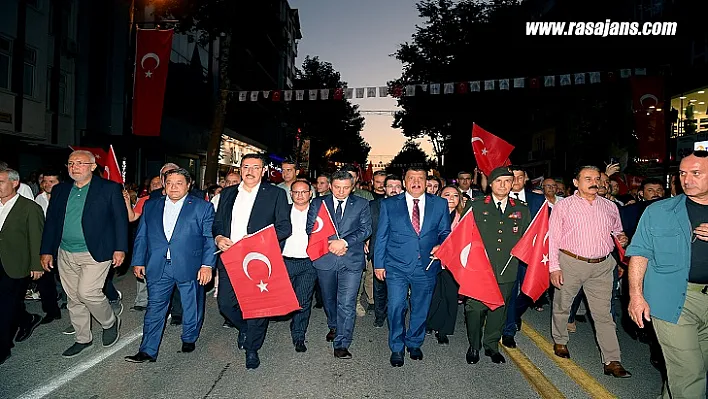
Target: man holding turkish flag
489,150
318,244
532,249
152,57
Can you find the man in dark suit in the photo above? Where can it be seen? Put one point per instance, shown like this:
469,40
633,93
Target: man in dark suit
245,209
339,271
411,227
21,222
86,231
392,186
174,246
519,302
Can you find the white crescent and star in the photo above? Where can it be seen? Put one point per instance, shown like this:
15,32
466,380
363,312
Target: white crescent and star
256,256
464,254
648,96
484,149
319,224
147,56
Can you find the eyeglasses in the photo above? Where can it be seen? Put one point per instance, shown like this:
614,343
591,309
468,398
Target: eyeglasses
300,192
79,164
550,185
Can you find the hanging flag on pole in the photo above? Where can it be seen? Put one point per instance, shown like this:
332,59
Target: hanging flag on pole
152,58
489,150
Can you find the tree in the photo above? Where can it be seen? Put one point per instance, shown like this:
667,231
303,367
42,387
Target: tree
332,126
410,155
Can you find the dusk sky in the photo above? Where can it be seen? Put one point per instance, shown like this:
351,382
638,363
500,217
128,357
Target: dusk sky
358,37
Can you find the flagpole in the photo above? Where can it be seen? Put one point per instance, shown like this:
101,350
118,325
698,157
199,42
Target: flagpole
505,266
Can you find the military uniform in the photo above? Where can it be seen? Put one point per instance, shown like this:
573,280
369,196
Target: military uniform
499,233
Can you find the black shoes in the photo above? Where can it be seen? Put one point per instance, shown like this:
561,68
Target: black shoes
48,318
442,339
138,308
140,357
331,335
300,346
111,335
378,323
397,359
188,347
252,360
509,341
26,330
416,353
472,356
495,356
342,353
176,321
75,350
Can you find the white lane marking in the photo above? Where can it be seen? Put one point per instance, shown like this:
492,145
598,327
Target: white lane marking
57,382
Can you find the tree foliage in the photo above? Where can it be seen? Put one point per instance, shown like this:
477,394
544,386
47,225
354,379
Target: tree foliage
333,126
410,155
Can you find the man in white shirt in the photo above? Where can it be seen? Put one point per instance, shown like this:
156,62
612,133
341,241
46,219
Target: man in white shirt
49,180
289,173
302,273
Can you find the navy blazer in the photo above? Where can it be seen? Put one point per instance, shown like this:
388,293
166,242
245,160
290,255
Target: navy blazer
270,207
191,245
534,201
397,244
354,228
375,207
104,221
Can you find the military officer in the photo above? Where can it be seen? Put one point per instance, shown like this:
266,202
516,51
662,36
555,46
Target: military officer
501,221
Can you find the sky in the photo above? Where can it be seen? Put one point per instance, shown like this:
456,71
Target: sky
358,37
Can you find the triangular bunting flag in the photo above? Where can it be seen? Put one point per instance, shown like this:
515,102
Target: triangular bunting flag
449,88
518,83
434,88
475,85
565,80
503,84
579,78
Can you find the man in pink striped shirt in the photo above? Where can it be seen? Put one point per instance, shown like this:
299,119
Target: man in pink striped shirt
580,243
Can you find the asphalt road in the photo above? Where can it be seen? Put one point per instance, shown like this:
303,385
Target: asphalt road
216,369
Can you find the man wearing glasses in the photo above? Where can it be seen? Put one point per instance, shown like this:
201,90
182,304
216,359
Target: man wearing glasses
86,232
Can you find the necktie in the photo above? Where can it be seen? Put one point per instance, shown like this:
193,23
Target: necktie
501,212
338,211
415,219
517,195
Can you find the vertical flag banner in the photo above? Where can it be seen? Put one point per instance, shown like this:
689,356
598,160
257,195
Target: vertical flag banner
152,58
489,150
647,99
323,229
112,170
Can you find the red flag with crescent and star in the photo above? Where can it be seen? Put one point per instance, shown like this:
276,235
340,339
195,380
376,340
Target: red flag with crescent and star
258,275
464,255
532,249
152,57
111,170
489,150
99,153
322,230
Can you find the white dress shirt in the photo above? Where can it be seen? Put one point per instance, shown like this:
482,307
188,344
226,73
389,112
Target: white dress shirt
336,203
296,244
6,208
169,217
521,195
421,207
43,201
215,201
25,191
241,212
504,201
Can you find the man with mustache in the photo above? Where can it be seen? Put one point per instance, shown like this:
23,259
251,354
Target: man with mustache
580,246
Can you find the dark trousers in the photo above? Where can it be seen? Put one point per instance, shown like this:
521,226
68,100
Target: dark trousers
318,293
176,310
380,300
302,277
159,293
479,318
12,308
255,329
339,292
47,287
443,307
518,304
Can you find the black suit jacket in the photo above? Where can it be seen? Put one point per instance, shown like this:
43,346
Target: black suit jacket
375,207
104,221
270,207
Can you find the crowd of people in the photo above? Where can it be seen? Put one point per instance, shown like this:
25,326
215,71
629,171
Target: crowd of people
66,238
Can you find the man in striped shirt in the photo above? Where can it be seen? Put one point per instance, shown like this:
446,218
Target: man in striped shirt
580,243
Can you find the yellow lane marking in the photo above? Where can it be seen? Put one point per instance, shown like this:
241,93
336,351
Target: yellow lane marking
534,375
577,373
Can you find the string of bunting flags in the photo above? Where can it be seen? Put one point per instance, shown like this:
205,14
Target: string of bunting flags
409,90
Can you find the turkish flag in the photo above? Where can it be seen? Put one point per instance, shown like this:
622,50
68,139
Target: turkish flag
99,153
318,245
152,57
463,254
647,100
258,275
489,150
111,169
621,251
533,250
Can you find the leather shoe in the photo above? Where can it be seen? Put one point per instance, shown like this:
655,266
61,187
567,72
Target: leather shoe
176,321
48,318
495,356
442,339
472,356
252,360
28,329
241,340
300,346
342,353
188,347
616,370
415,353
397,359
140,357
561,351
509,341
331,334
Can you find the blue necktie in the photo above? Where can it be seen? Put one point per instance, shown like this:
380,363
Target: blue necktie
338,211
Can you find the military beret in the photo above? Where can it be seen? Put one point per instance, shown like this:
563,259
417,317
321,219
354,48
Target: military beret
501,171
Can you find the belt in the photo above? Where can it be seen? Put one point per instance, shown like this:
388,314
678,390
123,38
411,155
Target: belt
290,258
578,257
702,288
